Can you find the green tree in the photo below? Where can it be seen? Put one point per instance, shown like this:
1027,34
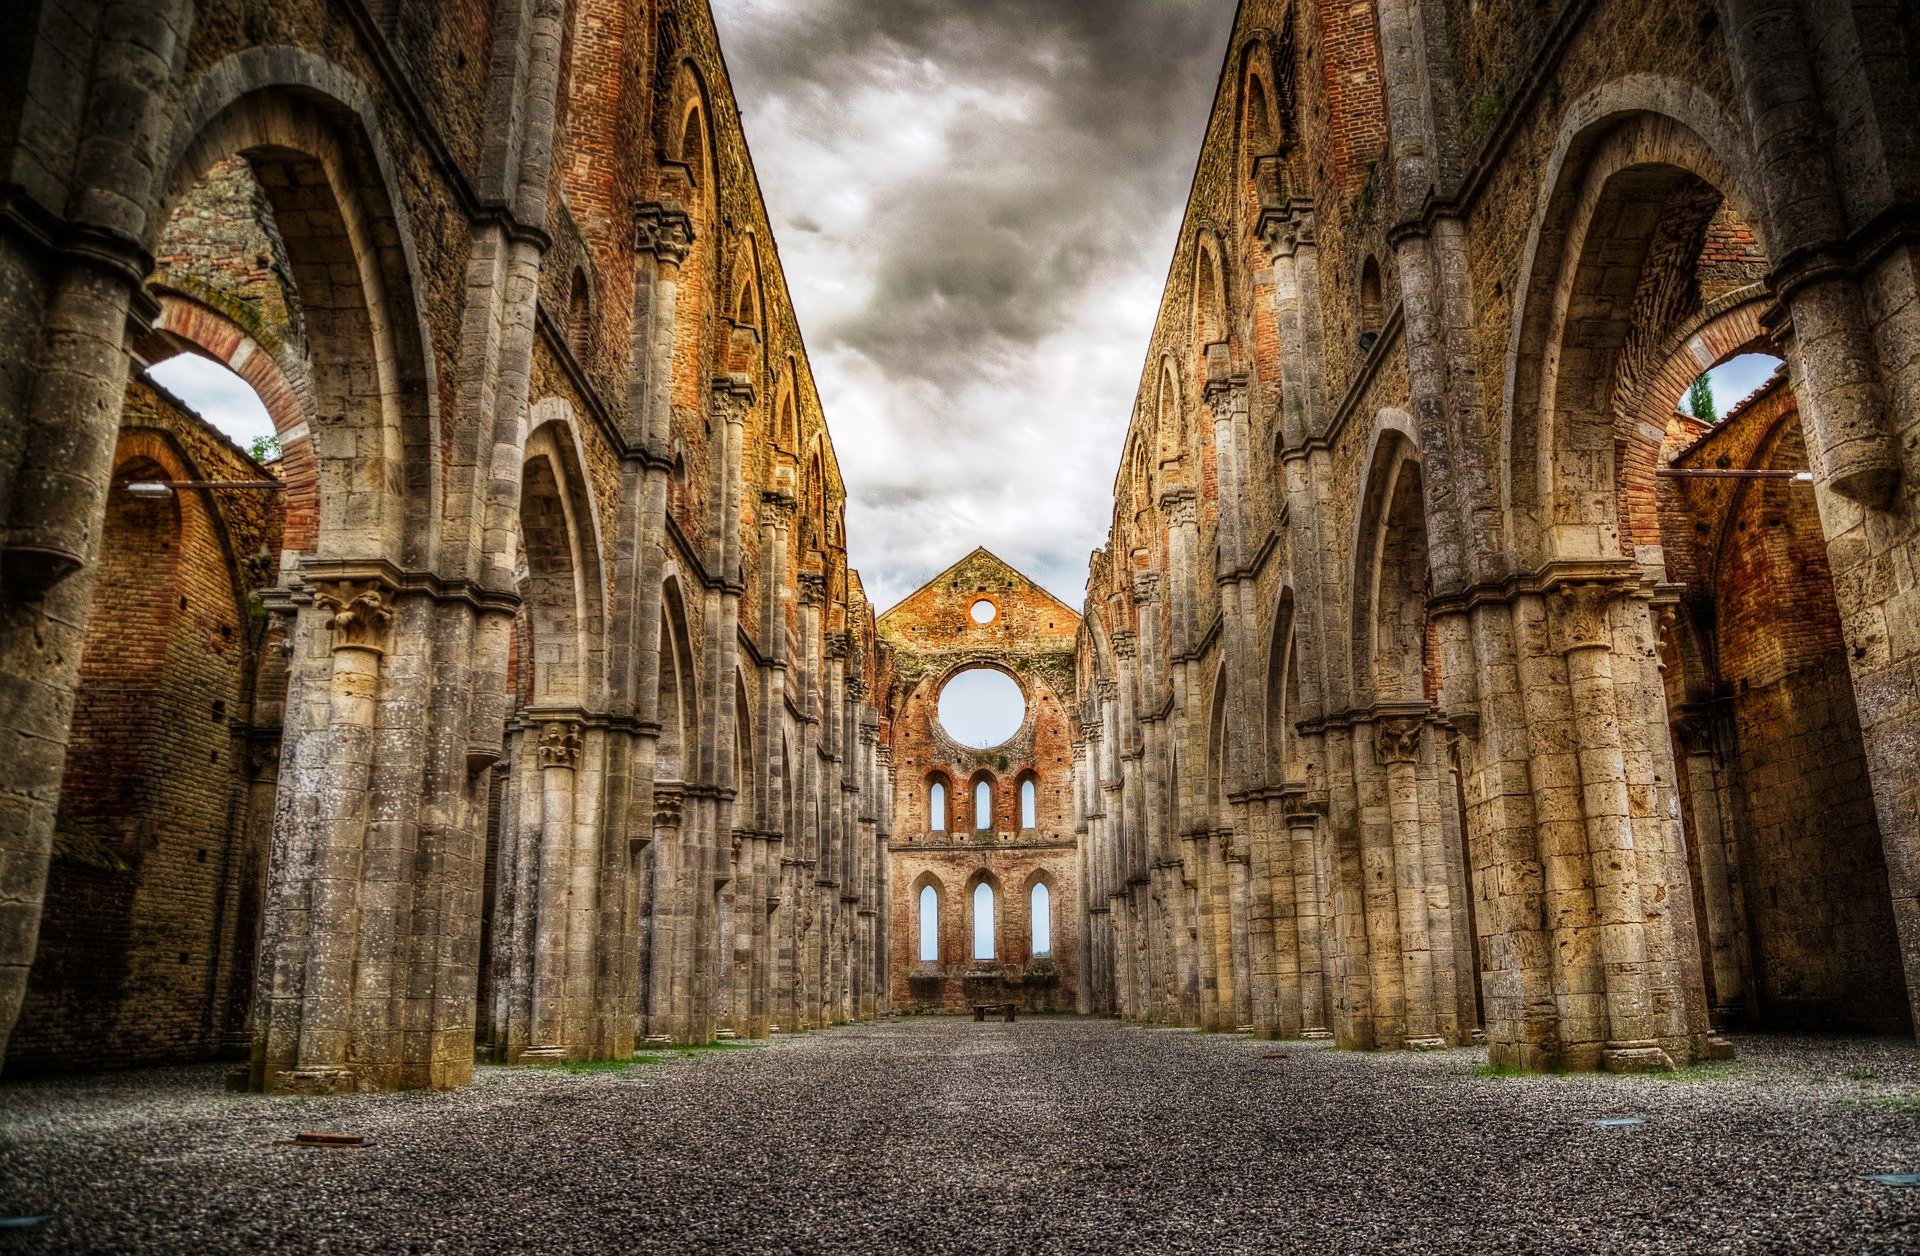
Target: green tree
1700,400
265,448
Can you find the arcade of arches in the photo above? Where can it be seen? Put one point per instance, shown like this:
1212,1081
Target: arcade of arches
1441,679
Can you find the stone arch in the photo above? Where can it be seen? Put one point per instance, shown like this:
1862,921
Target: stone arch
1210,304
1215,812
690,145
1026,799
1623,151
679,687
1392,575
1283,688
1170,414
308,130
1371,314
564,593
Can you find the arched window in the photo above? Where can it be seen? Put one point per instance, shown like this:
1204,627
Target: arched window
929,925
1042,913
937,807
1027,804
1371,305
982,805
983,921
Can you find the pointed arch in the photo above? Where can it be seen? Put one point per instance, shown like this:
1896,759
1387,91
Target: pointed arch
564,592
309,132
1392,574
678,710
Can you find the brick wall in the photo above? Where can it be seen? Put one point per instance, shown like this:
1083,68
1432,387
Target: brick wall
1806,846
144,916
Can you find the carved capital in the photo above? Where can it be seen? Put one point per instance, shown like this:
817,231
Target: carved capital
1397,740
733,396
1181,507
1578,614
1125,646
839,644
669,802
1298,807
560,742
1146,586
813,587
1694,733
664,230
777,507
358,612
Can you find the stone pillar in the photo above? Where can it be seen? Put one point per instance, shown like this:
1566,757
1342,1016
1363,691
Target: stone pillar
559,756
1583,636
1310,912
1397,744
59,421
1713,845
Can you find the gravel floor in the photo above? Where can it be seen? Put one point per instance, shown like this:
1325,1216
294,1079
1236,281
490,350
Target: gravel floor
1051,1135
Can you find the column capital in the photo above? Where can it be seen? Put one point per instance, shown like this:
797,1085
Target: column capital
733,395
778,505
1578,613
669,801
1397,740
1146,586
1181,507
560,742
663,230
813,587
358,612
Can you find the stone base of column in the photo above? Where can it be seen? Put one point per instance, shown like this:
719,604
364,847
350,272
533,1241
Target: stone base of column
1635,1057
1434,1043
318,1080
1317,1032
543,1055
1717,1048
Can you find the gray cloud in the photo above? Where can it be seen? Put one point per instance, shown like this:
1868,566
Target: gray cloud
975,201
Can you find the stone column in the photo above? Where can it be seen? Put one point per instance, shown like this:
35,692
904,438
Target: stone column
1714,846
1310,911
559,756
357,614
1583,636
1397,743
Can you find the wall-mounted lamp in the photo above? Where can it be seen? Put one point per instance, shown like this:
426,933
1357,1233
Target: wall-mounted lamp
155,489
1733,473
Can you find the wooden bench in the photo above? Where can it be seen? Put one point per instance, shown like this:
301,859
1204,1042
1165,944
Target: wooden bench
980,1011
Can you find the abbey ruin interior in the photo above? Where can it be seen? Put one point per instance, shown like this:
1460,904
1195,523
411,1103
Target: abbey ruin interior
1455,697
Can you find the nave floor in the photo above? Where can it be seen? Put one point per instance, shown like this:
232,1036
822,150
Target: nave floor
1046,1135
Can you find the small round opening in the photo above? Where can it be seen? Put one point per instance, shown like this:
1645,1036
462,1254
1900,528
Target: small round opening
983,611
982,707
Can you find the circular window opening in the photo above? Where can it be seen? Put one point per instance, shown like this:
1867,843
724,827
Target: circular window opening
983,611
981,707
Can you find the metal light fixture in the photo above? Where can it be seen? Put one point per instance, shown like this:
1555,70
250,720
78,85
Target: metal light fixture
153,490
1733,473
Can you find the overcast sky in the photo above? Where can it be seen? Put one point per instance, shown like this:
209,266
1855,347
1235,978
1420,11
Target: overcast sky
975,203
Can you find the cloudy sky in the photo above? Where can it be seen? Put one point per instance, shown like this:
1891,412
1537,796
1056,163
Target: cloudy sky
975,203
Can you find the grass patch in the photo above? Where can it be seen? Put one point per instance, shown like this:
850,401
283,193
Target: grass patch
1502,1070
598,1066
1703,1073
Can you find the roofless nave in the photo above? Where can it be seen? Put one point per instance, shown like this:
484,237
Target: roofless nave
1438,678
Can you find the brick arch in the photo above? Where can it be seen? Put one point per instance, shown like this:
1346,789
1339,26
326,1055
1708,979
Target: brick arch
1723,329
1209,318
216,336
311,136
1624,150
